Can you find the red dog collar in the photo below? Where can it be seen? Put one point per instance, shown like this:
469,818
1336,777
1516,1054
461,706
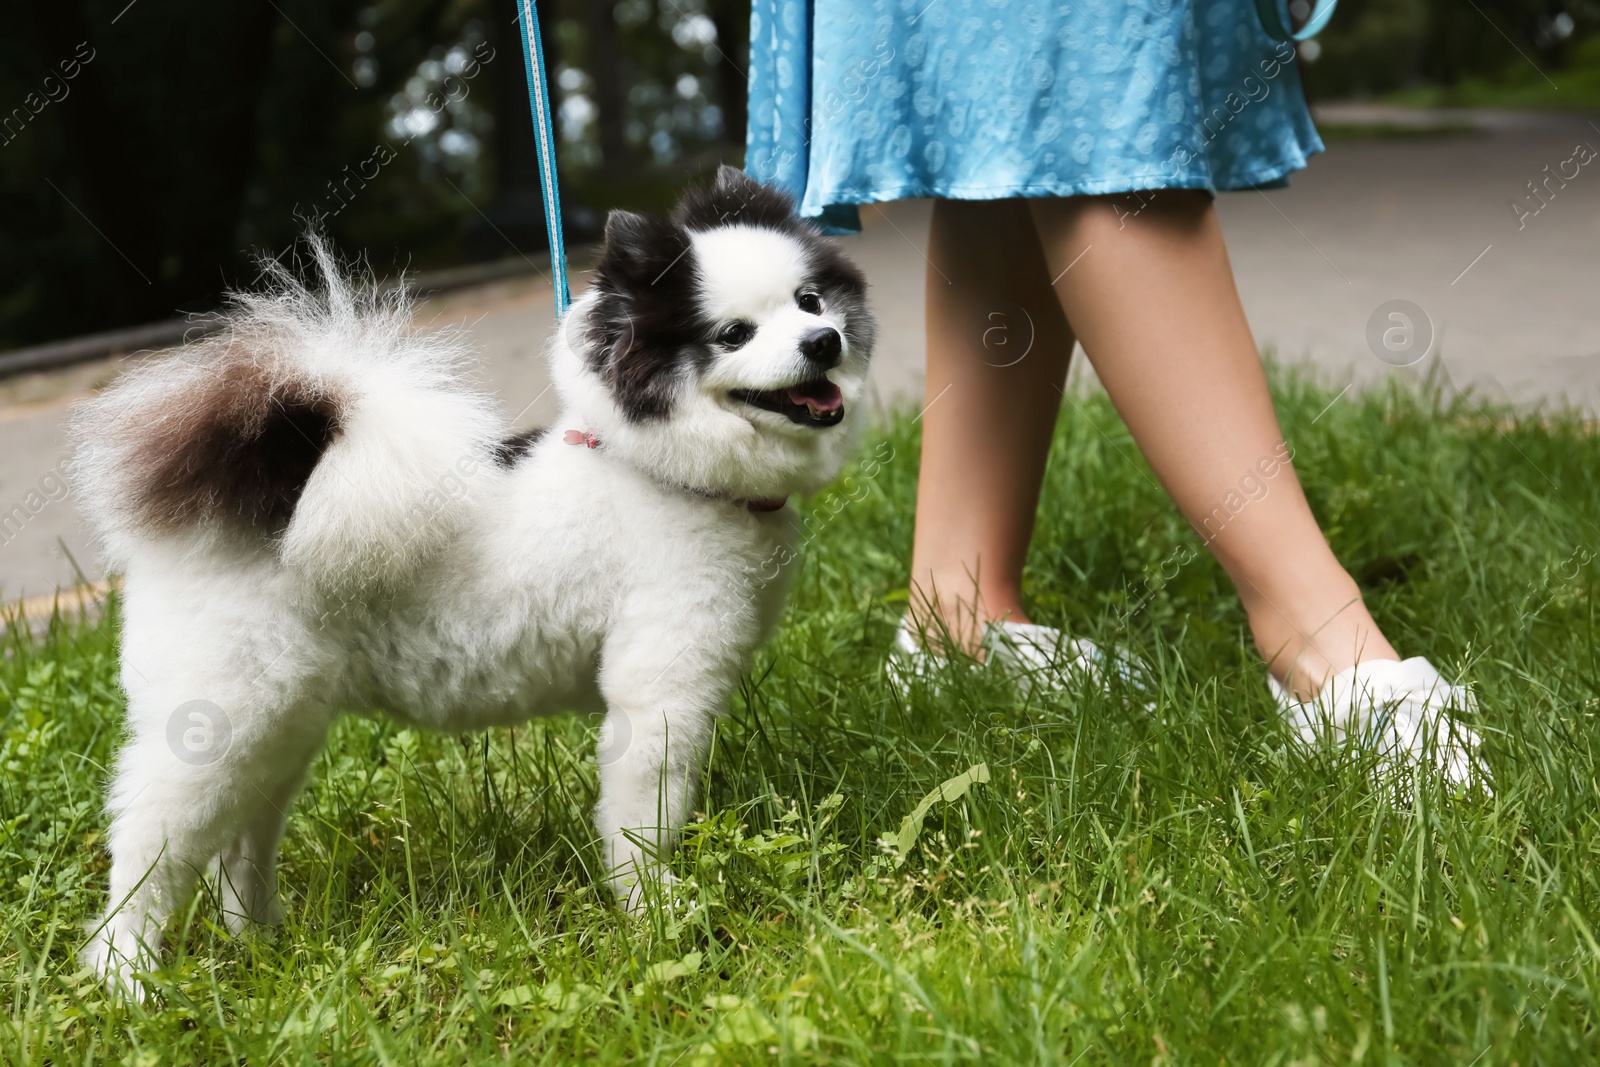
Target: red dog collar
589,440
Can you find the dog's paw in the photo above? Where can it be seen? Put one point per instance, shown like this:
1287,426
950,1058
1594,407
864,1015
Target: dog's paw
640,893
117,968
263,917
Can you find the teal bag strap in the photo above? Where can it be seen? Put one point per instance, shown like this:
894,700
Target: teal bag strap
545,142
1275,19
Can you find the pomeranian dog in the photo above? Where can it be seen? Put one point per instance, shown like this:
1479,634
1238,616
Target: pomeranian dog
315,511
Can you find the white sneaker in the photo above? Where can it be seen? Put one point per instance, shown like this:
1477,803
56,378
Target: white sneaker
1029,653
1400,709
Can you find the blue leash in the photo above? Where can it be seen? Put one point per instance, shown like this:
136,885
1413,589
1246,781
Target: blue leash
1275,19
539,100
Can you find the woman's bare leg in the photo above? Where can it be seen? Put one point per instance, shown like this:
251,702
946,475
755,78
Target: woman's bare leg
1154,303
998,347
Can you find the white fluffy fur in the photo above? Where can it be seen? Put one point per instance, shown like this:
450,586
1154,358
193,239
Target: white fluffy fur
420,577
384,497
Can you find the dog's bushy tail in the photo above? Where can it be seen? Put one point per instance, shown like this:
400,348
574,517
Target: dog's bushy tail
316,420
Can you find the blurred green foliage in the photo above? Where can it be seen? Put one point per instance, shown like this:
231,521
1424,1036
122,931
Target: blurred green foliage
1575,85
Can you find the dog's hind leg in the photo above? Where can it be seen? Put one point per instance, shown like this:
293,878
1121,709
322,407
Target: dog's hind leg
247,869
187,786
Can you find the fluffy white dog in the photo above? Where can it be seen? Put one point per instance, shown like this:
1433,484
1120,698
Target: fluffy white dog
315,512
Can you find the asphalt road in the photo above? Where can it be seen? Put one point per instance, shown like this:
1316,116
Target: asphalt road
1509,294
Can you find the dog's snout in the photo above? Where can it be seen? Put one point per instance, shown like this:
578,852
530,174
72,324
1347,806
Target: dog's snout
822,346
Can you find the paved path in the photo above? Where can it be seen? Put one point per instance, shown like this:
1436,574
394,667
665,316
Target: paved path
1426,220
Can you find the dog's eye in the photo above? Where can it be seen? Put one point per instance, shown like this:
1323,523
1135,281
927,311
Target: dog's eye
735,334
810,303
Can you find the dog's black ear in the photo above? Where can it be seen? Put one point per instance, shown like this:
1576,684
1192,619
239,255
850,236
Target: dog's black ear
642,318
625,233
731,181
624,227
638,249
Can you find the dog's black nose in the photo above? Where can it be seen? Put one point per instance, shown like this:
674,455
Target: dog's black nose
822,346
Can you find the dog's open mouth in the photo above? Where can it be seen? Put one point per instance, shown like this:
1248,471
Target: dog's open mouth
814,403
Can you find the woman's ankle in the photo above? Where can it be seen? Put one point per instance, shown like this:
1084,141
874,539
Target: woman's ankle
1304,651
961,622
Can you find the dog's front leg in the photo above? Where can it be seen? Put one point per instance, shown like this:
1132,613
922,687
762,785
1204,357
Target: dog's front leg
649,763
663,696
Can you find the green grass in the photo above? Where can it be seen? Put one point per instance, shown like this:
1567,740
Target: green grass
1175,886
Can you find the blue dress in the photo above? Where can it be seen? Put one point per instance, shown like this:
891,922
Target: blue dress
860,101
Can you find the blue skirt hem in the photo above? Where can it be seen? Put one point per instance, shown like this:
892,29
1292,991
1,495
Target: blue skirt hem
840,215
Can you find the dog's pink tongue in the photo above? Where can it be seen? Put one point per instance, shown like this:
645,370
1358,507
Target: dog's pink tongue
823,396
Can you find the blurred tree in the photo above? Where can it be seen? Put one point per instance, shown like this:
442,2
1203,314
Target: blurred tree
732,21
146,150
1376,46
645,100
196,130
138,177
513,222
605,74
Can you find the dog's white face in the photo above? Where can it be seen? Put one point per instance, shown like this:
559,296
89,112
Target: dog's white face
725,348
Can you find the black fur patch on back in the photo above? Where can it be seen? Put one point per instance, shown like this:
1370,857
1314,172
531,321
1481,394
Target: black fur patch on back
240,449
519,444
